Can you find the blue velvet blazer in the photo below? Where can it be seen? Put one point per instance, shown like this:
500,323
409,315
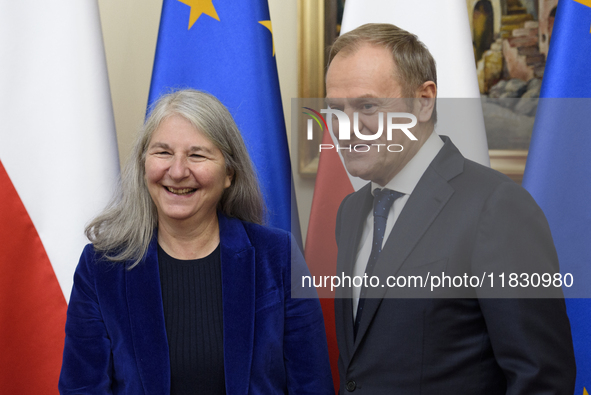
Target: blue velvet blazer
273,343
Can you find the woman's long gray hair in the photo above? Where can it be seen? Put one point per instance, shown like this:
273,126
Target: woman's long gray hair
125,228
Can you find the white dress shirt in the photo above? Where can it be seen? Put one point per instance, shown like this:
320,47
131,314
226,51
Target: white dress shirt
405,182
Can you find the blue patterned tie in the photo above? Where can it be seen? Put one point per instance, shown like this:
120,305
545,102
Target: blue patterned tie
382,201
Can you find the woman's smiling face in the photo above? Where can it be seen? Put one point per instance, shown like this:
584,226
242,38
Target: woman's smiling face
186,173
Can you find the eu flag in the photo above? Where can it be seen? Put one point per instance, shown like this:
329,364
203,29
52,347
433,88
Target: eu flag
225,47
558,170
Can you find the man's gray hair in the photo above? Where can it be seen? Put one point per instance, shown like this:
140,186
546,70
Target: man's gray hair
125,228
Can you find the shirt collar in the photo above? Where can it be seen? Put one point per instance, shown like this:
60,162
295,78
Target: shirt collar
407,179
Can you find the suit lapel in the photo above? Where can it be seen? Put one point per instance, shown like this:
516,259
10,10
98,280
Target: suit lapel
146,316
148,329
426,201
353,216
238,294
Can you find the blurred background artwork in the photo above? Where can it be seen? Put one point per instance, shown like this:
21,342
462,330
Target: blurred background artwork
511,40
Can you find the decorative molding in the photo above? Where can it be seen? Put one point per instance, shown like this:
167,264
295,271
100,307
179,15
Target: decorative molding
509,162
311,44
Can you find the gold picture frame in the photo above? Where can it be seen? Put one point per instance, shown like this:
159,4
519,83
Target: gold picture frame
311,57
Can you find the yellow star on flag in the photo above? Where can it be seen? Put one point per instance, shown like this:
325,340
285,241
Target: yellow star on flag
585,391
267,24
588,4
199,7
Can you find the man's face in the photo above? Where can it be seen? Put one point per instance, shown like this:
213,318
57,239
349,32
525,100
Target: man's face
364,81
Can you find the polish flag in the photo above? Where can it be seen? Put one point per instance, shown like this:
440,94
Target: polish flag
58,168
444,28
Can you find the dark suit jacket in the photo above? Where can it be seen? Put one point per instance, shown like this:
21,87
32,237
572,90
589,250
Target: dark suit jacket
461,218
116,337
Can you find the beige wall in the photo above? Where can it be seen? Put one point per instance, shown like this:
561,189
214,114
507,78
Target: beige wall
130,30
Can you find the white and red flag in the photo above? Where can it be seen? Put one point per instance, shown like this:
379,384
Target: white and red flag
444,28
58,168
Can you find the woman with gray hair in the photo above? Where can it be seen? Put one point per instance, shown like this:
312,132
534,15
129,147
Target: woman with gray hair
182,290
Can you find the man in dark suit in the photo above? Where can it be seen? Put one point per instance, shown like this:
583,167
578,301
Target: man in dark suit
446,215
